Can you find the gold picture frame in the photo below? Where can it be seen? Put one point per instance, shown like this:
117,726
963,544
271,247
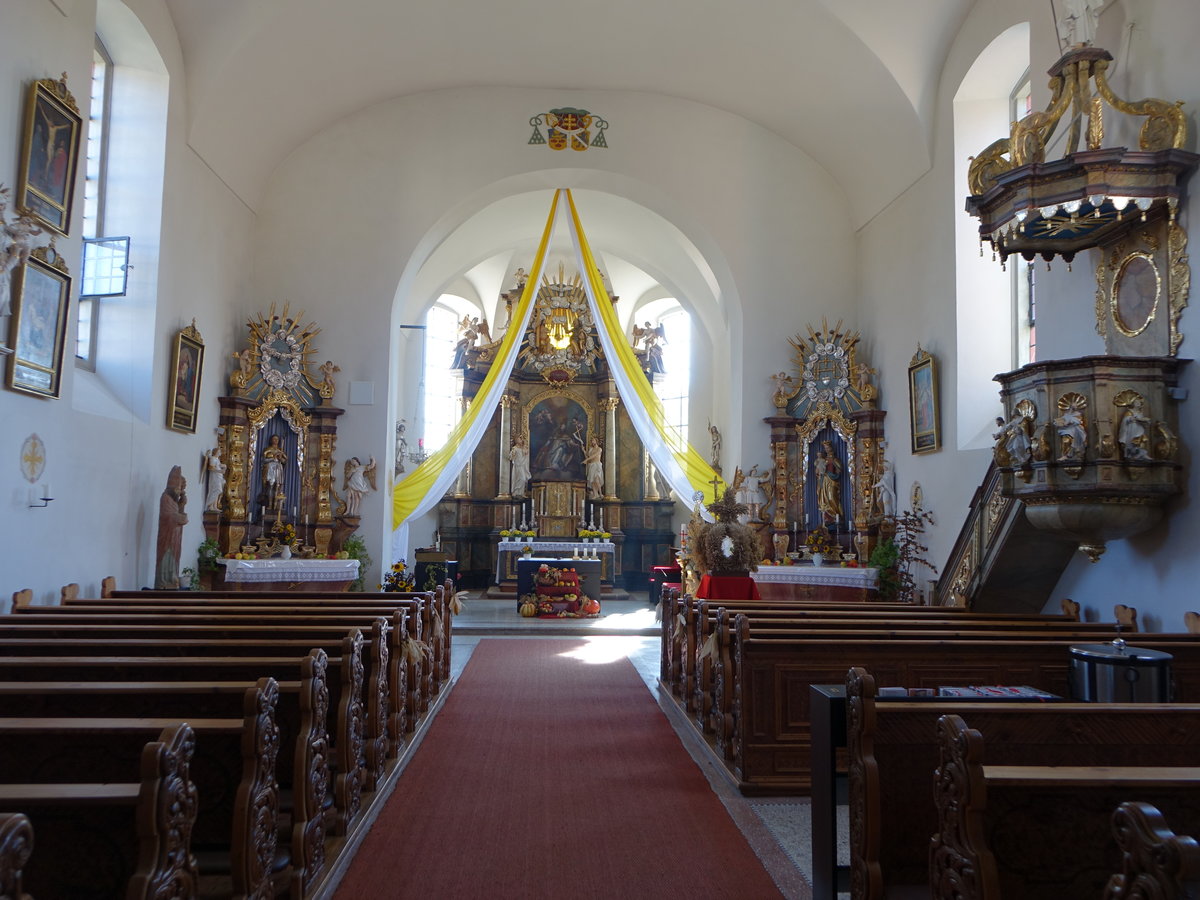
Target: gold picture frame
183,392
38,327
49,155
923,403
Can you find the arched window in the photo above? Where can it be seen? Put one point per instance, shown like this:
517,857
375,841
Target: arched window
673,384
994,306
127,133
441,387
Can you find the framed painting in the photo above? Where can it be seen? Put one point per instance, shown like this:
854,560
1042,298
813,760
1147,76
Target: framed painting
49,154
923,403
38,327
183,393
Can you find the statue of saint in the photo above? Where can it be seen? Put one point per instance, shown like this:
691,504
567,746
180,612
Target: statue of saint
828,469
518,455
355,483
16,243
216,480
171,519
595,469
1132,433
274,459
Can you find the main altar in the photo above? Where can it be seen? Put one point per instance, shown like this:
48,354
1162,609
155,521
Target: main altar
561,469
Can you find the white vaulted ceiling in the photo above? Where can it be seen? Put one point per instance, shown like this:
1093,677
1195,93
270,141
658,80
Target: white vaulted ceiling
849,82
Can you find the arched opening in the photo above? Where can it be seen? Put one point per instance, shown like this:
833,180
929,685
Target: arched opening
655,272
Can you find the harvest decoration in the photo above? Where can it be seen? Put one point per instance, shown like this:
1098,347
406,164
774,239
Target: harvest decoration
398,578
818,542
285,532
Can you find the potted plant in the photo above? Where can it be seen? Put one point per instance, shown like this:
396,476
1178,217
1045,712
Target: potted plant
356,548
206,564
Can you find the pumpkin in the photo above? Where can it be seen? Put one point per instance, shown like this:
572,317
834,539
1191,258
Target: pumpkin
527,609
590,607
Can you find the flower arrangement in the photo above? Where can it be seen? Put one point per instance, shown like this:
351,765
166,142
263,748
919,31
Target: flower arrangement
285,532
398,578
818,542
517,533
594,533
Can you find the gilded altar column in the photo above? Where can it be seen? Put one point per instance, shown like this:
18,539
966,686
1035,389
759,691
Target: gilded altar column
609,405
507,402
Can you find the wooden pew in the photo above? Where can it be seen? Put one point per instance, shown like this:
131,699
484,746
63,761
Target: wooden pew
762,685
16,846
345,696
246,629
375,678
404,652
233,768
437,607
130,838
684,629
414,633
302,764
1002,828
696,686
1155,862
893,750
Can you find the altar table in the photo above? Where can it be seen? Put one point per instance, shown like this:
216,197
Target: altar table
508,552
809,582
289,575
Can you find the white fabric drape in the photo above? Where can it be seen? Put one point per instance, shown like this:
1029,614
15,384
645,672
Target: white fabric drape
684,469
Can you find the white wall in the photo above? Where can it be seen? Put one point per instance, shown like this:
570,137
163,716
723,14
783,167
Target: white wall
107,471
907,288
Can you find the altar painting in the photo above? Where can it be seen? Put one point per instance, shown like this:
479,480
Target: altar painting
557,439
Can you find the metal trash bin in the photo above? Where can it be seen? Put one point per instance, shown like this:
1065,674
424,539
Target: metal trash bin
1118,673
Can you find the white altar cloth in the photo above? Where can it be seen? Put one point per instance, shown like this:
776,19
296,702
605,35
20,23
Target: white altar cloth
561,550
824,576
250,570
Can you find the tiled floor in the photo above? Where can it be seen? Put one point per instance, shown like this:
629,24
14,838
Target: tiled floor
777,828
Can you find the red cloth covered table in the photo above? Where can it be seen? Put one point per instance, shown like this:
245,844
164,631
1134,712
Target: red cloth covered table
727,587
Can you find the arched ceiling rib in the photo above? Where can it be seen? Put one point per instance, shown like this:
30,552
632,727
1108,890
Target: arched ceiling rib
850,87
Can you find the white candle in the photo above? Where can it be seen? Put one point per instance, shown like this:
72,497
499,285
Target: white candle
601,518
31,498
46,495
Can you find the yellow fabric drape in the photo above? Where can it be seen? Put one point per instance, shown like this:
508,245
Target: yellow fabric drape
635,388
429,481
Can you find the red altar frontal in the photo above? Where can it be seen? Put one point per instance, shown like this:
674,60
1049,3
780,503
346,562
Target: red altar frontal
289,575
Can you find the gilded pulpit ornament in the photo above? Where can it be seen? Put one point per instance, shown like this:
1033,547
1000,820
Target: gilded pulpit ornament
569,127
1090,197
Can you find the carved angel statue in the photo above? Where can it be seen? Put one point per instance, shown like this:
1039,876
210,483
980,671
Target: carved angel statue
783,388
241,376
716,446
357,480
328,369
16,243
485,333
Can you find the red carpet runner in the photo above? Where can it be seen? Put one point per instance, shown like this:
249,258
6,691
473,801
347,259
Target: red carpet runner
545,776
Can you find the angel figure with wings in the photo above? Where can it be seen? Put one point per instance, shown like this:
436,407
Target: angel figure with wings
357,480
